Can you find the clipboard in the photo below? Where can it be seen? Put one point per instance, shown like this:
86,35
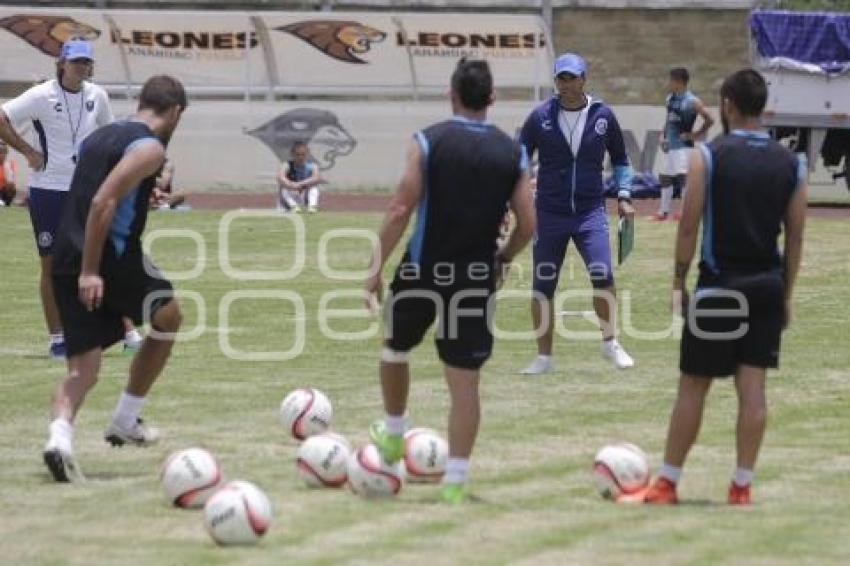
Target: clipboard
625,238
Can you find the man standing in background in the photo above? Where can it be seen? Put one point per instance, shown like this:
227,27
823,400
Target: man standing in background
572,132
63,112
677,138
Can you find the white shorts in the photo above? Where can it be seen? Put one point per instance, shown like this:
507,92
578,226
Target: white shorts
676,162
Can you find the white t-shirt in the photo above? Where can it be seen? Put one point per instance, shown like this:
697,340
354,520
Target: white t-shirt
572,125
60,120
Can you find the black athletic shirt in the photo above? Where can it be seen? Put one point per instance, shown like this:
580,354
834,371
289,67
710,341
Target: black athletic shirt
99,154
750,180
470,170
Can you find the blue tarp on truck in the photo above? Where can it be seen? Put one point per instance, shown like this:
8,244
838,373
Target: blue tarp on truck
803,40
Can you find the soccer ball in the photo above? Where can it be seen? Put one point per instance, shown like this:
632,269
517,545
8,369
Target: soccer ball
620,470
323,460
306,412
369,476
238,513
425,455
189,477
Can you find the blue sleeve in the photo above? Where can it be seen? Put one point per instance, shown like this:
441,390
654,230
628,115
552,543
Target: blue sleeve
616,146
523,159
528,135
802,171
424,147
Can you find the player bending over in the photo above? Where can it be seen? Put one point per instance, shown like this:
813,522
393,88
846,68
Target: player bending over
101,275
460,174
743,187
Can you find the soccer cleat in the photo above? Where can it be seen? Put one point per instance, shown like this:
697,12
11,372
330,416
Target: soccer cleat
62,465
739,495
659,217
139,435
661,492
57,350
538,366
390,446
613,351
453,493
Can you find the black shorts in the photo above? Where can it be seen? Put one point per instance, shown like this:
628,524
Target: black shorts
463,340
129,291
714,343
45,207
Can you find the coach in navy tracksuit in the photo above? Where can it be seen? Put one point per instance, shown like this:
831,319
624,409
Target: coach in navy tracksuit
571,132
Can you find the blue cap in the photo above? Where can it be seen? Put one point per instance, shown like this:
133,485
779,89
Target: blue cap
77,49
570,63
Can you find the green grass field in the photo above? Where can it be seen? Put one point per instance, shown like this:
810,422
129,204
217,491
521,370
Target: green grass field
534,501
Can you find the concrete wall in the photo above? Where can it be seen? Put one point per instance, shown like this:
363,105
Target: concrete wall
229,145
631,51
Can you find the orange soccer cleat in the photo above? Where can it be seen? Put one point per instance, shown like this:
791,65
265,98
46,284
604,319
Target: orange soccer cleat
739,495
661,492
659,217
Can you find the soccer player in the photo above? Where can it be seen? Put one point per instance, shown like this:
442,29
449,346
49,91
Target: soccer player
460,174
101,275
299,181
743,187
571,132
63,112
678,137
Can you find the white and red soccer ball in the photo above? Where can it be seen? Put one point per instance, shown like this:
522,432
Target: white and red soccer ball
620,471
425,455
322,460
238,513
305,412
370,477
189,477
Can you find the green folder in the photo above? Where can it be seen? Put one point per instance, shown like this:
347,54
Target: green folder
625,238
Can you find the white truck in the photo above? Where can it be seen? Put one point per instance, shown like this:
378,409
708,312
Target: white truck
805,58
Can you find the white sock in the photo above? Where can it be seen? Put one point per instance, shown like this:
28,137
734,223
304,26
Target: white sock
456,470
544,358
57,337
61,434
127,410
287,197
742,477
132,336
671,473
666,200
395,425
313,196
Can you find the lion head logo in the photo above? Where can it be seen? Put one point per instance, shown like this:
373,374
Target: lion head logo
342,40
47,33
326,138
